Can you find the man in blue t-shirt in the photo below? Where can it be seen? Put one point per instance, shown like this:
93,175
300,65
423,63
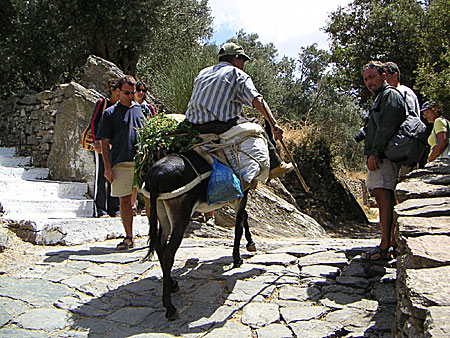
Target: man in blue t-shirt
118,134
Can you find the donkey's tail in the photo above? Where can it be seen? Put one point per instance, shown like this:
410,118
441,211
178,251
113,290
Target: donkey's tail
153,229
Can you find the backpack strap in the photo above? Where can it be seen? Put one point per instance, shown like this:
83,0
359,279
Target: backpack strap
409,111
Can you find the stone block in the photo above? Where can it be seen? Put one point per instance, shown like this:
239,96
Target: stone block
415,226
427,287
3,242
426,252
423,187
436,322
424,207
28,99
45,95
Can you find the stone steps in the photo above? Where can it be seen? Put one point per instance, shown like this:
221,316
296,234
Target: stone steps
48,212
42,190
25,173
22,210
35,199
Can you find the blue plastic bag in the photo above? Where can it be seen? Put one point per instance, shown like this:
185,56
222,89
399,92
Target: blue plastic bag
223,185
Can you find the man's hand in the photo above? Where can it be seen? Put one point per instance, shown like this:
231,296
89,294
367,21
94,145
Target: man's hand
372,163
277,132
109,174
98,147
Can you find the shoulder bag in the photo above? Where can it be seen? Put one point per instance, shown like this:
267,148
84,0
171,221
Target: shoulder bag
87,140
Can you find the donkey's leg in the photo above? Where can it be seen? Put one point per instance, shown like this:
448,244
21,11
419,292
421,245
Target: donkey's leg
178,214
238,230
251,246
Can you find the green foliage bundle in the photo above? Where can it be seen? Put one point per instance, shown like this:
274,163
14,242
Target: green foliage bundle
158,137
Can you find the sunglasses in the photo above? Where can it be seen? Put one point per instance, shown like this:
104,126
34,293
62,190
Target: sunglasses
141,90
126,92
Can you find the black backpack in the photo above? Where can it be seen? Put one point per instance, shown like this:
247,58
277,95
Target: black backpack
409,144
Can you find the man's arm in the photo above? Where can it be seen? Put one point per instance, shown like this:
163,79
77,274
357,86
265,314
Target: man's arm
109,174
260,104
442,143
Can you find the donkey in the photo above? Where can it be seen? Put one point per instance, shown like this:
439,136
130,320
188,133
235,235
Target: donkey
169,174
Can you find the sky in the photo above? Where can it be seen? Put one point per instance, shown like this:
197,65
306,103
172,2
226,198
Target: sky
288,24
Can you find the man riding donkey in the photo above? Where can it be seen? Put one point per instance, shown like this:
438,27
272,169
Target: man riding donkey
218,97
179,183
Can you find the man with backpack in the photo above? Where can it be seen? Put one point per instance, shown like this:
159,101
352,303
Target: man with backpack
393,79
387,114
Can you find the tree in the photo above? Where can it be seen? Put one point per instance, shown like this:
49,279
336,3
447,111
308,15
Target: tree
434,71
51,39
367,30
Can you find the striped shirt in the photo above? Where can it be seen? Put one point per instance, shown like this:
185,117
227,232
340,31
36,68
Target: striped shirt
219,94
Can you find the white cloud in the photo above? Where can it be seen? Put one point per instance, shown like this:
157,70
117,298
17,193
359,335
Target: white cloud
289,24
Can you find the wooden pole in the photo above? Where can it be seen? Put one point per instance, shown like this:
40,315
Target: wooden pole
288,153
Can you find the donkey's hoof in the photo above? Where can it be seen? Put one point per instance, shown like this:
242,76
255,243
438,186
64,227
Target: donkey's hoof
174,287
251,247
172,314
238,263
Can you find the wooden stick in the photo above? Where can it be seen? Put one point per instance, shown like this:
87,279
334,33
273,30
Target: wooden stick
288,153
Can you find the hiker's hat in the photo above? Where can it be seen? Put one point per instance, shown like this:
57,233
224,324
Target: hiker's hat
428,105
232,48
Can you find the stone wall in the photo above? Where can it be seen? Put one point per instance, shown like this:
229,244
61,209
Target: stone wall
47,126
423,264
27,121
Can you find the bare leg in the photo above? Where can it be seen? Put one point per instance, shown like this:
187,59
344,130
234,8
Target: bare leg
126,214
134,199
385,201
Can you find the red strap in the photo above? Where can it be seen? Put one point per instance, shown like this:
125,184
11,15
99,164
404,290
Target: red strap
100,105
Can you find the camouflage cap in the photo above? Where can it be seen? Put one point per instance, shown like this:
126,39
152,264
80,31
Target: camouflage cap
232,48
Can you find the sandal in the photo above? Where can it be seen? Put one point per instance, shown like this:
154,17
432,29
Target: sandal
375,254
124,245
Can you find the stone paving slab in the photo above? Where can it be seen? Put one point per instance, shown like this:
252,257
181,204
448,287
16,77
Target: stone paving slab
92,290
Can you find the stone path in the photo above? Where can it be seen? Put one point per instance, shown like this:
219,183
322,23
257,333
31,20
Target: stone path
301,288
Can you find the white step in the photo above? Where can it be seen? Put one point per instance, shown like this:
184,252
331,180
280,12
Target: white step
41,190
77,231
14,161
7,151
20,210
25,173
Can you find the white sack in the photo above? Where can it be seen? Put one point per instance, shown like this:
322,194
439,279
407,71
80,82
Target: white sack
255,166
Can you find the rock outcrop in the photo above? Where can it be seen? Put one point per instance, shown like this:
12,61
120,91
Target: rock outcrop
47,126
67,160
97,72
423,266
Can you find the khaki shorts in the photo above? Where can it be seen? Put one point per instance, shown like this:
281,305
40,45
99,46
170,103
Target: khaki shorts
385,177
123,179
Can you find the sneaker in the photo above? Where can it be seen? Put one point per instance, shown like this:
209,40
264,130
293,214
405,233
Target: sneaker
211,221
281,170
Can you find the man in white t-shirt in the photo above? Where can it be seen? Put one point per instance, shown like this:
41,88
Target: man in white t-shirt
393,79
